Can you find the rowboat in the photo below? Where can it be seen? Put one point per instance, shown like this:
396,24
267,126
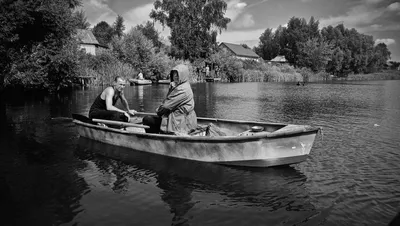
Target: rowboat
140,81
164,81
239,143
213,79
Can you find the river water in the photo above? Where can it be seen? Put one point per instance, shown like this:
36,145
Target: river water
50,176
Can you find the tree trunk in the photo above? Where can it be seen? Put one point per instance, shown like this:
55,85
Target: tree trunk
1,83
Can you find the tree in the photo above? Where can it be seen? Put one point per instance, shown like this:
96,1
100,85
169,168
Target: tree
194,25
103,33
119,26
151,33
81,20
268,46
381,55
140,53
334,66
35,35
245,46
314,54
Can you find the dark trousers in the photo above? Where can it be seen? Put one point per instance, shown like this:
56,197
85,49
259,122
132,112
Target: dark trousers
108,115
154,122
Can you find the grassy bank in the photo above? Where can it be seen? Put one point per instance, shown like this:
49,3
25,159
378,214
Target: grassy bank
384,75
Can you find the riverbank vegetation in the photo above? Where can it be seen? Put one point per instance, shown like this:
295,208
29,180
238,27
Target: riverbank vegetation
40,49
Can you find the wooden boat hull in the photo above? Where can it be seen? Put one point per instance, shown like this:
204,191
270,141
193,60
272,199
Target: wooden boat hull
287,144
213,79
140,81
164,81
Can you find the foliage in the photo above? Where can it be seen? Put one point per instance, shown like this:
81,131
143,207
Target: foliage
103,33
81,20
36,34
150,33
336,50
119,26
268,47
194,25
139,51
230,69
314,54
245,46
104,67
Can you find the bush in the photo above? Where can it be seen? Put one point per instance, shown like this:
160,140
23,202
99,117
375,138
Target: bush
43,68
230,68
104,67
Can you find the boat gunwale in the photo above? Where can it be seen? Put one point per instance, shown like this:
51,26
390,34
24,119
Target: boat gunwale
224,139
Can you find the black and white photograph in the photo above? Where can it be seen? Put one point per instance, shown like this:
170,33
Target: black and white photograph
200,112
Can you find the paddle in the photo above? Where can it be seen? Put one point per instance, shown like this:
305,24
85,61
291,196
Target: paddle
85,119
121,124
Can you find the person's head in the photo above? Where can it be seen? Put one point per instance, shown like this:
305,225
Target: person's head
119,83
174,76
179,74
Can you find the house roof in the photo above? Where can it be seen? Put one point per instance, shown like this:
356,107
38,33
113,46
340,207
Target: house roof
239,50
86,37
279,59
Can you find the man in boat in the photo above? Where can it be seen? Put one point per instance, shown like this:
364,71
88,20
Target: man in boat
103,106
176,114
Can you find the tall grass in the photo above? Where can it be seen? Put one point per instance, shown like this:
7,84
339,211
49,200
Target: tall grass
105,73
384,75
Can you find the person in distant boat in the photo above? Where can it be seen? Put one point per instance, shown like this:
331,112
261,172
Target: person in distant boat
140,75
103,106
207,69
176,114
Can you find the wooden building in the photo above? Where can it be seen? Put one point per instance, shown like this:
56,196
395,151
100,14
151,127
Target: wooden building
88,42
239,51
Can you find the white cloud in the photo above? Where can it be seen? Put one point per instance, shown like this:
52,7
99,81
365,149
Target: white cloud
97,11
138,15
234,9
236,12
373,1
387,41
249,36
357,17
376,26
244,21
141,15
394,6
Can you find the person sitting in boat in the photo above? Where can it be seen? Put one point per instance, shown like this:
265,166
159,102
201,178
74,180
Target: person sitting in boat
140,75
176,114
103,106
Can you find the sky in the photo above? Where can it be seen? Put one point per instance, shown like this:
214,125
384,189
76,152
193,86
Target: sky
250,18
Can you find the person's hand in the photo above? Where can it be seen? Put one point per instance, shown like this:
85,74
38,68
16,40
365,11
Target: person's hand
162,111
132,112
127,115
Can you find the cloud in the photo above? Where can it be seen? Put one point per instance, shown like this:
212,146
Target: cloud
394,6
244,21
138,15
97,11
387,41
357,17
234,9
249,37
373,1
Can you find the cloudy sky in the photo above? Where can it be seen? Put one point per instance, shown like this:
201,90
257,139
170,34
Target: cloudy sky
249,18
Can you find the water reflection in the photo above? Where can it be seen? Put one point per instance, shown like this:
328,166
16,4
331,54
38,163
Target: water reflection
350,177
272,189
38,182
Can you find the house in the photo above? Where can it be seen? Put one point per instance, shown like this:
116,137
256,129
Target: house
88,42
278,60
239,51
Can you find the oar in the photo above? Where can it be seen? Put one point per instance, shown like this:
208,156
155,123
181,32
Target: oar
121,124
